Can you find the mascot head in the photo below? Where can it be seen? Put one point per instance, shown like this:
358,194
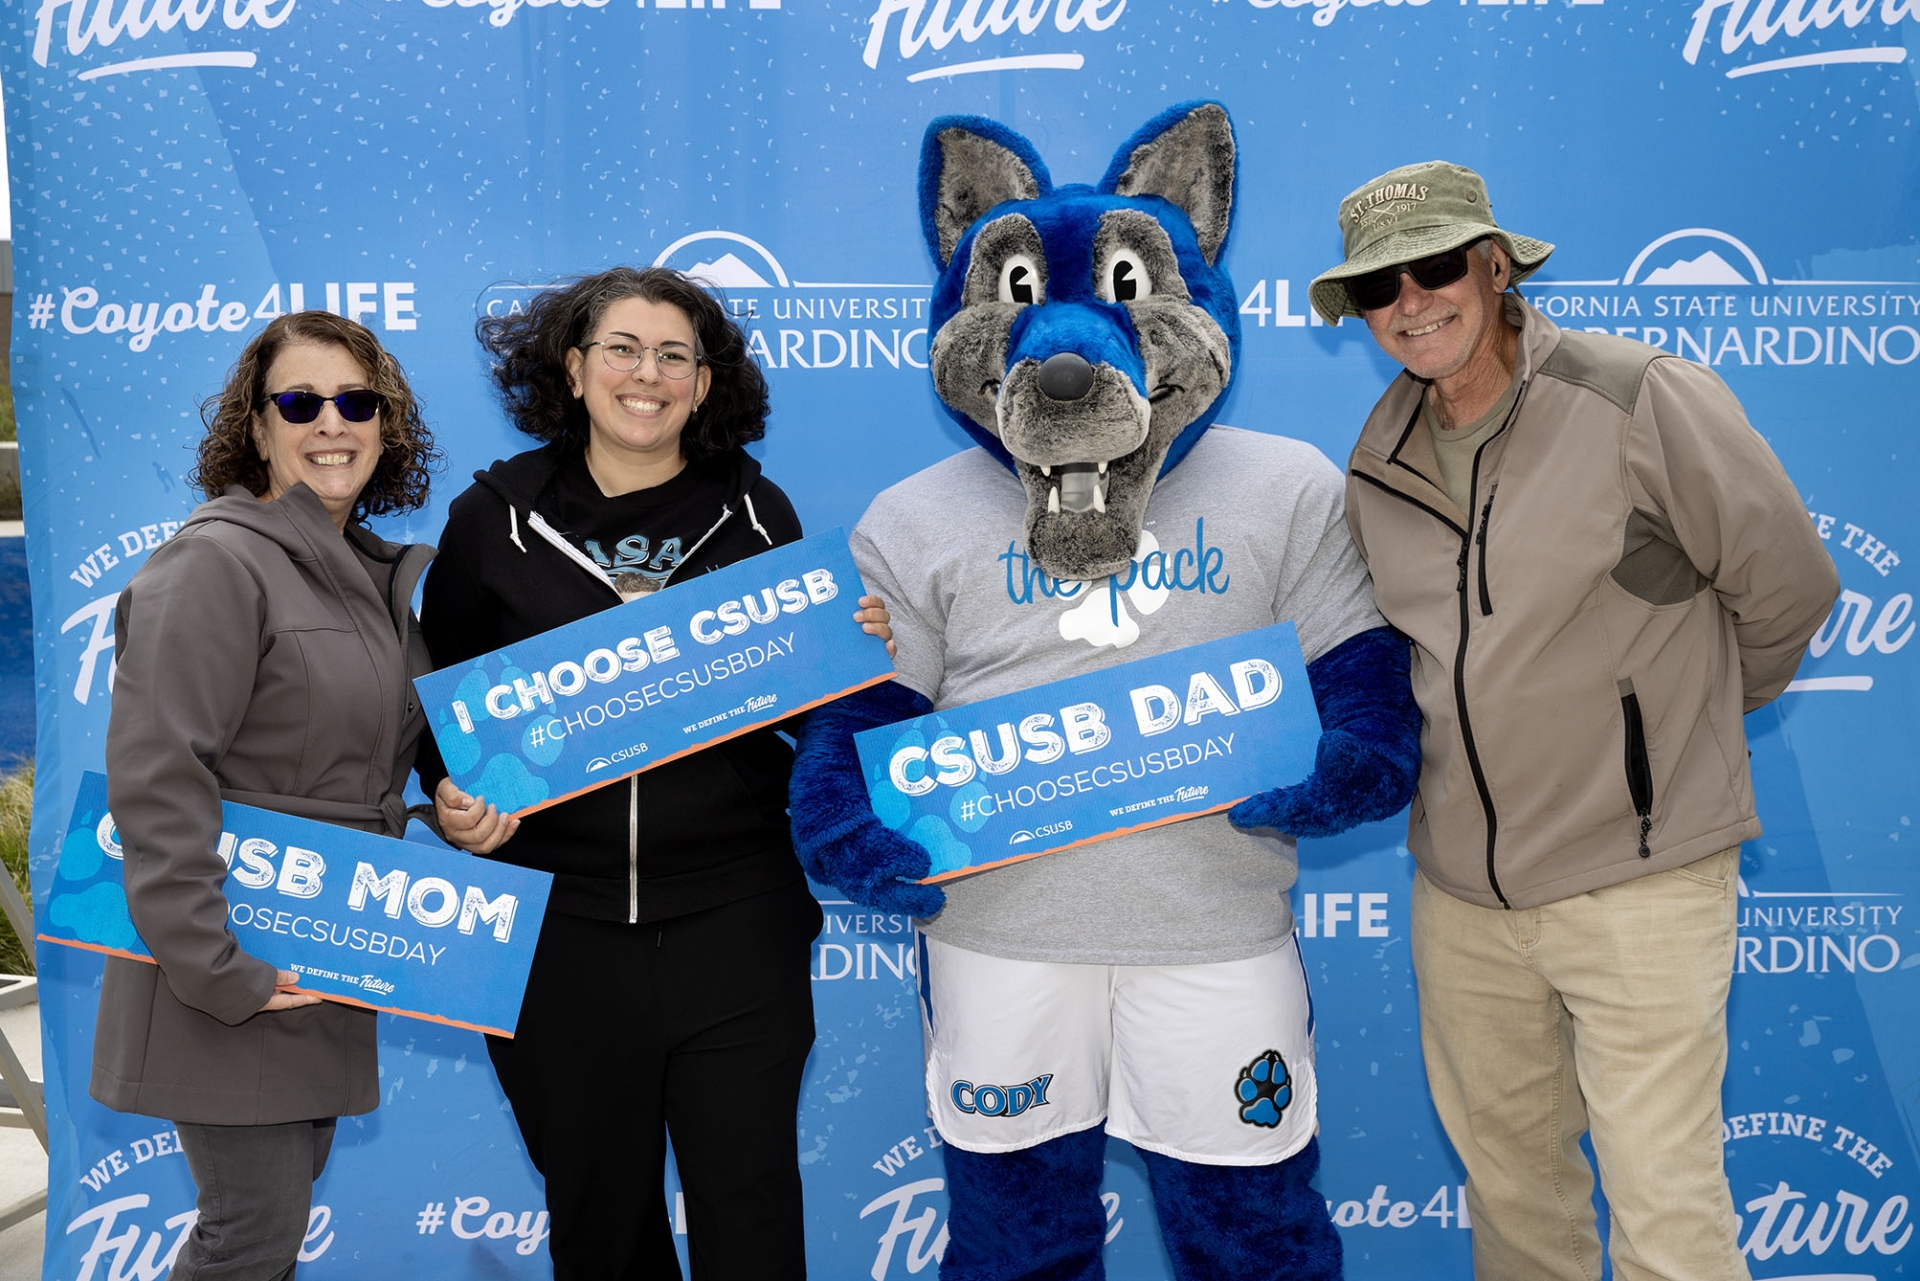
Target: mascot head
1083,335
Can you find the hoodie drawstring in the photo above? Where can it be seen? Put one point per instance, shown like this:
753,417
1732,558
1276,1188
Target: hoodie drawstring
754,520
513,527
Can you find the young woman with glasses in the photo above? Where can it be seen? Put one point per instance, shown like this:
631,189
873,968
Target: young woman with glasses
669,996
264,655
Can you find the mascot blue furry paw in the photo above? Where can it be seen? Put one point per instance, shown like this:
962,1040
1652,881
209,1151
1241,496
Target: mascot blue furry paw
1146,987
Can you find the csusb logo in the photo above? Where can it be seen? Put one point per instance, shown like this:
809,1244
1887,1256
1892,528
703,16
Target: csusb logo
816,324
1705,295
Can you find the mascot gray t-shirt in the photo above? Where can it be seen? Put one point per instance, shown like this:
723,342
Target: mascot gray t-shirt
1248,531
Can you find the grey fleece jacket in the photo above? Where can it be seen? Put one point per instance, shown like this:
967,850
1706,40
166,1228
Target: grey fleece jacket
262,658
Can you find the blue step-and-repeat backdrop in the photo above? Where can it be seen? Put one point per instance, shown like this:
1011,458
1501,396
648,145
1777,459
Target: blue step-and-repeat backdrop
1735,182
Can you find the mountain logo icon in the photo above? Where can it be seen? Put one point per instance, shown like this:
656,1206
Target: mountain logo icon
726,260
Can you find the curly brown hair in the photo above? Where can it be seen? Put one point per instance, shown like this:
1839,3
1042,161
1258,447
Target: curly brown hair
530,358
228,456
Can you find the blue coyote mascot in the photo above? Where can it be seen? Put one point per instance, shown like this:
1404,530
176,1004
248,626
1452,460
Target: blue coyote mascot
1147,987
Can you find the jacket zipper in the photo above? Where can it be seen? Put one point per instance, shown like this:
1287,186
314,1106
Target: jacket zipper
1460,673
1639,769
1480,539
633,850
538,524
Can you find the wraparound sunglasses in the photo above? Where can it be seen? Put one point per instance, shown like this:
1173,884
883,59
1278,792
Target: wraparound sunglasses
1379,288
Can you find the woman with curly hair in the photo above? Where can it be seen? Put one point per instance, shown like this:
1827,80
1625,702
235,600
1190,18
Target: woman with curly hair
264,655
669,994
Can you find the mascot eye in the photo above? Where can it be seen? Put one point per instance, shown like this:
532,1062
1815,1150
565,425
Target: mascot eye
1125,277
1020,280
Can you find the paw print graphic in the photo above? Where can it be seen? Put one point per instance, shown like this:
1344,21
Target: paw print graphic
1264,1090
1101,617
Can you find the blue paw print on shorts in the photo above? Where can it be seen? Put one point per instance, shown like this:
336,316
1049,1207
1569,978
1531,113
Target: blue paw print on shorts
1264,1090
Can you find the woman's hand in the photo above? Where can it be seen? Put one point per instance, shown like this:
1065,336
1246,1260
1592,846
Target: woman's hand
874,619
286,1000
471,823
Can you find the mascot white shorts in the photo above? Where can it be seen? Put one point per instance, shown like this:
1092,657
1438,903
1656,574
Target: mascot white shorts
1205,1063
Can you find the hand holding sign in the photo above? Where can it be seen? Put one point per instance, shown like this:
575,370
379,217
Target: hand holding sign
343,914
835,833
1368,758
635,686
471,823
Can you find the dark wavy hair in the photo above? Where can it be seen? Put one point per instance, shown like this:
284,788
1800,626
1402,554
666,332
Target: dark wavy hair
530,358
227,453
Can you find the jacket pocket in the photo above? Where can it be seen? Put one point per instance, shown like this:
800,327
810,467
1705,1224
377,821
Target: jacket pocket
1639,771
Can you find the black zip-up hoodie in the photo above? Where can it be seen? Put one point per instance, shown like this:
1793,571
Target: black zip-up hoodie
707,829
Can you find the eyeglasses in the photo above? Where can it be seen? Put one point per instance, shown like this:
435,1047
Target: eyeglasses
356,406
623,357
1379,288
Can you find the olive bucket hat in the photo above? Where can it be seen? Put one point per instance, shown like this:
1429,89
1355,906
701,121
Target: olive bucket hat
1408,214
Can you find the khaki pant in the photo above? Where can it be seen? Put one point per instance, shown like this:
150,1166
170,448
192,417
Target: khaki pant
1605,1011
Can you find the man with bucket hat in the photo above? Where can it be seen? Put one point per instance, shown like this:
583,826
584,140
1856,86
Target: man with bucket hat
1601,567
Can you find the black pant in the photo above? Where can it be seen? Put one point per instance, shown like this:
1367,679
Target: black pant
255,1196
697,1027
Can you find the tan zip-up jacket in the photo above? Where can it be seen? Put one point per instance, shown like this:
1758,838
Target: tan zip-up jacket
1637,572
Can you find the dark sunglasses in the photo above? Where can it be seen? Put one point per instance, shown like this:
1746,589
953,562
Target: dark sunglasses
304,406
1379,288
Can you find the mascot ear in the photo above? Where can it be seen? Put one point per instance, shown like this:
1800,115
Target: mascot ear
1183,155
969,164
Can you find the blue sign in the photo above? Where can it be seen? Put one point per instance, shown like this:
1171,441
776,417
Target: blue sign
1145,743
412,929
649,681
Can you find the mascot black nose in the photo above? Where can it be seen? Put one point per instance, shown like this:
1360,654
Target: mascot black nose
1065,376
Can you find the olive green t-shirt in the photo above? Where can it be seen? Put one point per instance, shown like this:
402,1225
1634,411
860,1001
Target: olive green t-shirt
1454,450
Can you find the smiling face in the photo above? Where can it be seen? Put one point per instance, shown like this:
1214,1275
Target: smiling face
331,456
1452,333
635,418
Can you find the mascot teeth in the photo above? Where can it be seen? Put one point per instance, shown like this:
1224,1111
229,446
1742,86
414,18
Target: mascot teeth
1082,487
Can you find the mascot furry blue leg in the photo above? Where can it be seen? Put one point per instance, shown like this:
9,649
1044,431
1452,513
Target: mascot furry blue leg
1146,987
